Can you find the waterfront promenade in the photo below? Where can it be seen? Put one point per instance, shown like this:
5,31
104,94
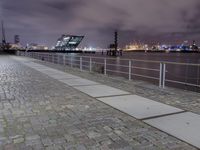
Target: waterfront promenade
41,108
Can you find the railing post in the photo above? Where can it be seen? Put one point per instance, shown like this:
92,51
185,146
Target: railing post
160,77
105,69
81,63
71,62
129,70
54,57
90,64
58,56
198,69
164,75
64,60
48,57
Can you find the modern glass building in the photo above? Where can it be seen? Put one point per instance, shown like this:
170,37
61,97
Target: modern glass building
68,42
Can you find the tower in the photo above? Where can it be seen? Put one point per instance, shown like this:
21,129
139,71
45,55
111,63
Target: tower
5,45
16,39
3,34
116,41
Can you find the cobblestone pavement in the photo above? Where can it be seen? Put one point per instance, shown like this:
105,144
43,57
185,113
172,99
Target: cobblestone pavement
38,112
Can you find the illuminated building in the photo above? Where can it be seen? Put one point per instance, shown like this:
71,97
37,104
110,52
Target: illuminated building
16,46
68,42
34,46
136,46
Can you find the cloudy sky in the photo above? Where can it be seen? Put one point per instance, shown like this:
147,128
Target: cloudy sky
43,21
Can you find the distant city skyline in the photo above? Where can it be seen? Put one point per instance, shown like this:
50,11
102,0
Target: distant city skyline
152,21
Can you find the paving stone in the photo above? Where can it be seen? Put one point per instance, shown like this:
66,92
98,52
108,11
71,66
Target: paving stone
120,144
18,140
35,91
69,138
93,134
47,142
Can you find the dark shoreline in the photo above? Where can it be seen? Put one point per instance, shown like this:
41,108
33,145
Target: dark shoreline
93,52
161,51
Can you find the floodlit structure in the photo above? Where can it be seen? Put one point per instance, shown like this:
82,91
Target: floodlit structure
34,46
16,47
136,46
68,42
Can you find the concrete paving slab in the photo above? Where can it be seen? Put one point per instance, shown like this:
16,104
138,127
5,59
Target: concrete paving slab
138,106
185,126
47,70
51,72
79,82
62,76
39,68
44,69
35,66
32,64
100,90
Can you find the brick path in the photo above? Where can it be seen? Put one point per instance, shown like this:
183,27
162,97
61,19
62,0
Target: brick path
39,112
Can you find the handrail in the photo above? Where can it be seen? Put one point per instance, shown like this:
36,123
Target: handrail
161,74
137,60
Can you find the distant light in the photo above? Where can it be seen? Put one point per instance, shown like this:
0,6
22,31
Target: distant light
72,42
66,38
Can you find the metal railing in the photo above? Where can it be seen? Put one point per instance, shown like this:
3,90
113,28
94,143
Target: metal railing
157,72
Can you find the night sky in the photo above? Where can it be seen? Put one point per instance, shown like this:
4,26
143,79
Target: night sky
43,21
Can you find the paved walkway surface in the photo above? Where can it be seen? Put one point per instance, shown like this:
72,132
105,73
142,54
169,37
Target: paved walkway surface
40,112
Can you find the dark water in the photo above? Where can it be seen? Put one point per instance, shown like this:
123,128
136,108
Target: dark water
171,57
